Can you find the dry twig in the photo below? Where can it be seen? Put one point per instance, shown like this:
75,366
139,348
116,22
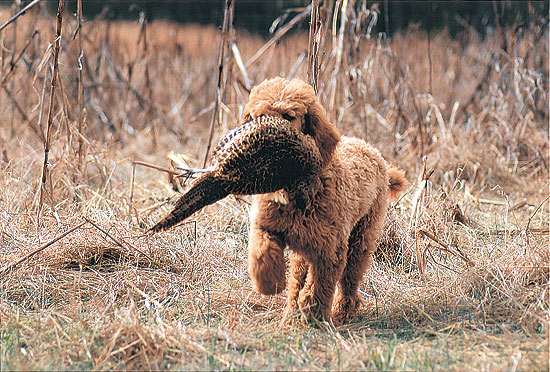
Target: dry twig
52,102
80,88
531,217
279,34
241,66
448,248
5,270
116,240
313,46
19,14
227,23
14,62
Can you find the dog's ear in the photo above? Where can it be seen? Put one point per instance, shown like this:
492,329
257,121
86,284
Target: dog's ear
308,125
325,134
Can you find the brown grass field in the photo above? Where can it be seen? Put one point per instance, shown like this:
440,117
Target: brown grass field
461,278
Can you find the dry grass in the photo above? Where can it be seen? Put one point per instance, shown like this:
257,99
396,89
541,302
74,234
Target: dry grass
461,280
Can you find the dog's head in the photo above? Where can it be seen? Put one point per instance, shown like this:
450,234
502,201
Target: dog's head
295,101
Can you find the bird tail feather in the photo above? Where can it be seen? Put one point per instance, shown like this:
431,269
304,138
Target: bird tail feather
206,190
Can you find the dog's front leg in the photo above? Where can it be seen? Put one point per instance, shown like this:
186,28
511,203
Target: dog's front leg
298,272
266,261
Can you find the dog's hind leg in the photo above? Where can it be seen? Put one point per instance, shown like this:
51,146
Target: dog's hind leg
362,245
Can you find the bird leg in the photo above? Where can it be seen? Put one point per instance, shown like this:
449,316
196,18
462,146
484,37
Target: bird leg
190,172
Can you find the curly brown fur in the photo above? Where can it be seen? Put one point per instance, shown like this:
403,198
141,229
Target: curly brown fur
332,239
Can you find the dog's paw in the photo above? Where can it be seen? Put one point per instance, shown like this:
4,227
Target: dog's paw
345,309
291,316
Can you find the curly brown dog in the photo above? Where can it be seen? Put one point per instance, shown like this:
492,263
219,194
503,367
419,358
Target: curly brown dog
332,239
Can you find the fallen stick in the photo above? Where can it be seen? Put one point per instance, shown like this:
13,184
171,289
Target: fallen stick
39,249
115,240
185,172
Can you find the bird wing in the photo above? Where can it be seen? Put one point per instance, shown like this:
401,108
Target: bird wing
264,155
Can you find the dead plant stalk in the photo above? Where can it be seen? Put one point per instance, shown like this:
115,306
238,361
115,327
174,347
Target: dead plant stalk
52,101
278,35
80,87
531,217
131,207
149,113
337,51
313,46
16,60
19,14
227,23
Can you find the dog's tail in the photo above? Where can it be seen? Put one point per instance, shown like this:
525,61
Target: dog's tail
397,182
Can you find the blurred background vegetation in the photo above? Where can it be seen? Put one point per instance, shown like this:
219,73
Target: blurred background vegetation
256,16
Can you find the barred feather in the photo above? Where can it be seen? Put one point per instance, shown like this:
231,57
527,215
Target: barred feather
258,157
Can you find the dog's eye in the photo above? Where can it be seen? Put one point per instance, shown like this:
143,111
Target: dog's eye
288,117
